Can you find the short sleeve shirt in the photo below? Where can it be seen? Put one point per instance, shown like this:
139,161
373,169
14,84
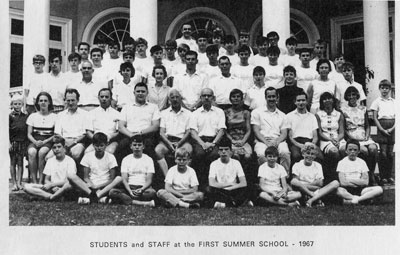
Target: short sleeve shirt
175,123
271,177
139,117
308,174
99,168
181,181
103,120
42,124
137,168
302,124
59,170
226,173
270,123
207,123
384,107
70,125
352,169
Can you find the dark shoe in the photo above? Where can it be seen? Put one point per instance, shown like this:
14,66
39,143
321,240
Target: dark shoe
194,206
93,197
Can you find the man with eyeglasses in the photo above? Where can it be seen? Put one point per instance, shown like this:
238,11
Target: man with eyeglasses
34,84
170,60
207,126
191,82
187,37
56,83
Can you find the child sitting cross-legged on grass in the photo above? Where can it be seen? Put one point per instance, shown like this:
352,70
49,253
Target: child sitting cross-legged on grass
99,175
308,177
227,182
274,188
353,177
56,170
181,184
137,170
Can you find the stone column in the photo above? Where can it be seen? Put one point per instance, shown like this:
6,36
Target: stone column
143,20
376,41
36,33
276,17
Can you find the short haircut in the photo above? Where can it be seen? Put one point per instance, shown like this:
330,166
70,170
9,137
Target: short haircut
51,106
184,46
272,34
201,35
155,48
347,65
235,92
72,91
141,40
54,56
136,139
74,55
291,41
320,41
171,43
58,139
159,67
324,61
182,152
269,89
99,138
244,48
301,94
128,53
244,32
385,83
127,65
353,141
128,41
141,84
84,43
308,147
191,53
105,89
261,40
212,48
225,142
96,50
224,58
272,150
113,43
258,69
324,96
290,69
230,39
273,50
39,57
302,50
349,90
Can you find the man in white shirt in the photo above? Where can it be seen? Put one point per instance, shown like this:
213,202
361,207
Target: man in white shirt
187,38
207,128
71,125
261,58
56,83
74,75
190,83
224,83
114,61
100,73
87,88
104,119
34,85
305,74
211,69
270,129
141,118
244,71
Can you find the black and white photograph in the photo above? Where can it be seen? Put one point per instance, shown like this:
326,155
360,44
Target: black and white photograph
199,127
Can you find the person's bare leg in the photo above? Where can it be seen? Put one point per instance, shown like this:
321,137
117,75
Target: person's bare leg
41,162
104,191
331,187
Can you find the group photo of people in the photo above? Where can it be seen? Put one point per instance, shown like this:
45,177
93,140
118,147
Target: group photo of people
205,121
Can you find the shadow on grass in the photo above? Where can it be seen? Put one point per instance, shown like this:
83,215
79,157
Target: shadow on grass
25,211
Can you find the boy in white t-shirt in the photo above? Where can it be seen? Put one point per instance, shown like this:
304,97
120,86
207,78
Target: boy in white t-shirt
56,171
353,177
181,184
274,188
227,182
99,173
137,170
308,177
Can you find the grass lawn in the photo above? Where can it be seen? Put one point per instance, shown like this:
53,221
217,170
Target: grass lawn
25,211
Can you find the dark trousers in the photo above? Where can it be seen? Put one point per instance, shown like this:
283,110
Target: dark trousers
232,198
202,159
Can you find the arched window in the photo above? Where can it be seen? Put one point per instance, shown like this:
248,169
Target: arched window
111,24
202,19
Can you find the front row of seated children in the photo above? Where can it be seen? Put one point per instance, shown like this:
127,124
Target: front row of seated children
227,182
